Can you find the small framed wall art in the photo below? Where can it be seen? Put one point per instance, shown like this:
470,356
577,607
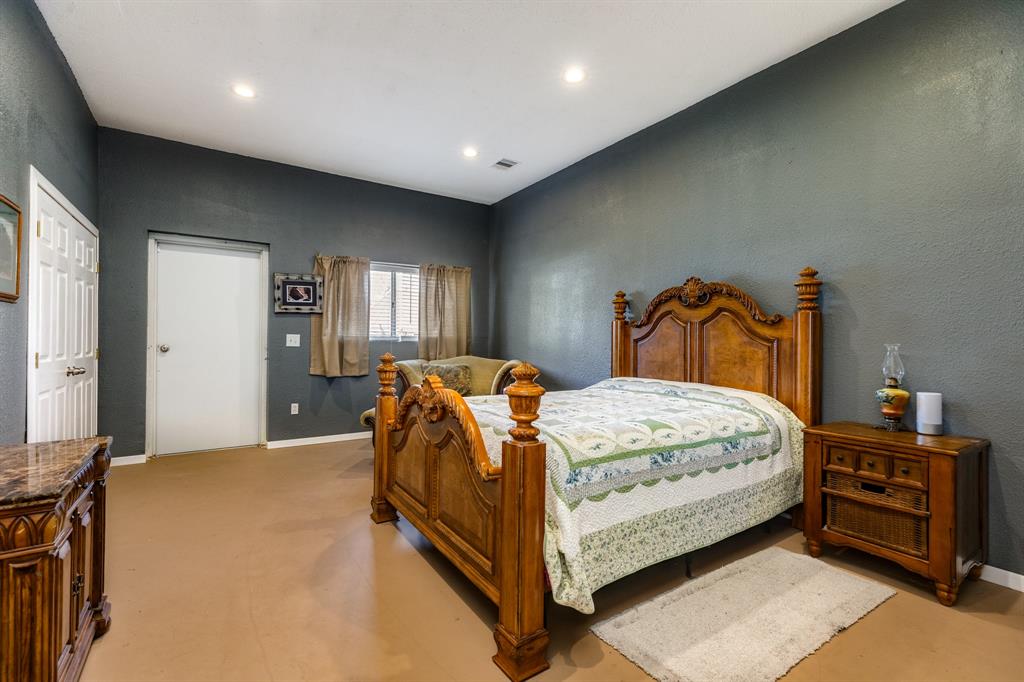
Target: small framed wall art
298,293
10,250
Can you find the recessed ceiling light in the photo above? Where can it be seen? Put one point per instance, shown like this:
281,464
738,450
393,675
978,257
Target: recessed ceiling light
574,74
243,90
469,152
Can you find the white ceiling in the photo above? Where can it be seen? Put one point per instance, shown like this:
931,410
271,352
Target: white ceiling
392,91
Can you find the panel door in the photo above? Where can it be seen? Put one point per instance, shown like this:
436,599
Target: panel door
82,330
64,295
208,348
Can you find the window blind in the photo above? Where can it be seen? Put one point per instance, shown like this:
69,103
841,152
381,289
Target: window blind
394,301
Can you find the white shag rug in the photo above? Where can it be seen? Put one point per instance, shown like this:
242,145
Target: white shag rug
751,620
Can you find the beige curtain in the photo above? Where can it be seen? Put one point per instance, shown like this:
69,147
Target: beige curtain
444,311
339,339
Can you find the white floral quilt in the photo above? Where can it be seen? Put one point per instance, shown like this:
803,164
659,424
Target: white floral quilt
643,470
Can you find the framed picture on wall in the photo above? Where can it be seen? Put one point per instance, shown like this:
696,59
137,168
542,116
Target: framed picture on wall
298,293
10,250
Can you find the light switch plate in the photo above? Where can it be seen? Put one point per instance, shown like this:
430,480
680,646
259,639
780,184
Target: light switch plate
291,340
295,408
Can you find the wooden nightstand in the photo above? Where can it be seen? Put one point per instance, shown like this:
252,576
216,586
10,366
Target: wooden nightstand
921,501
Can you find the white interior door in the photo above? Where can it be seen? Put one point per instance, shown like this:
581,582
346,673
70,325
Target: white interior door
63,311
208,353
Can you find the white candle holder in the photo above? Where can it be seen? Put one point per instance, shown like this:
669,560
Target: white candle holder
929,413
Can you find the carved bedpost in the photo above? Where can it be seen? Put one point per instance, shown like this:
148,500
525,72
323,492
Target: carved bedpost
520,635
620,337
807,331
387,404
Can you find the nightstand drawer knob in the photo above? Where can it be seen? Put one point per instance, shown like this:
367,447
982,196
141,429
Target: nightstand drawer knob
839,458
871,462
904,470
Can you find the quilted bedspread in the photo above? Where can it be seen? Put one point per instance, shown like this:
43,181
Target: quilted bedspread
642,470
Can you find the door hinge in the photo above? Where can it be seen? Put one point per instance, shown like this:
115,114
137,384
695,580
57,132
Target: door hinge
97,354
37,359
97,267
39,228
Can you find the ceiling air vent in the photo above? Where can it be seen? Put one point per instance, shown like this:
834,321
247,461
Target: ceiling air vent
505,164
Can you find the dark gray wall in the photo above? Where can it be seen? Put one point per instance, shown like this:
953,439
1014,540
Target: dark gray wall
148,184
45,122
890,157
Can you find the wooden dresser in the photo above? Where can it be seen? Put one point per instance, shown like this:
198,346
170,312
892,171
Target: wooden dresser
52,514
918,500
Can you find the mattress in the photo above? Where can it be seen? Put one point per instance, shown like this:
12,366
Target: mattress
643,470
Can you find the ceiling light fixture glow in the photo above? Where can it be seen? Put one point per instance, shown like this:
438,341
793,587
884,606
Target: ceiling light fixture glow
243,90
574,74
469,152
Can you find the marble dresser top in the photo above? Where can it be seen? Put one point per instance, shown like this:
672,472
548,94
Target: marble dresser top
39,471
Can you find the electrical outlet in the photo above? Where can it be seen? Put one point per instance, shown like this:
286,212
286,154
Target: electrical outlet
292,340
295,408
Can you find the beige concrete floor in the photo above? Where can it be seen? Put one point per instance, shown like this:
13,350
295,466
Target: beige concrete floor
263,565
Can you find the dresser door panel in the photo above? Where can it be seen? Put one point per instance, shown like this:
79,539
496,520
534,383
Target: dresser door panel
65,605
24,584
83,574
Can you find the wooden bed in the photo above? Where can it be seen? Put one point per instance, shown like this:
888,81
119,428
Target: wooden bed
430,463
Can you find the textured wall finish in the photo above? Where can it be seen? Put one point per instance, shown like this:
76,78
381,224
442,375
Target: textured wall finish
148,184
890,157
45,122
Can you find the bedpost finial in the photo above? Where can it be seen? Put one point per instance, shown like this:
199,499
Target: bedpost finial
387,370
619,305
433,382
807,289
524,399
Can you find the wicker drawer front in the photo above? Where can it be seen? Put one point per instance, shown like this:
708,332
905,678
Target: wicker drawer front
854,512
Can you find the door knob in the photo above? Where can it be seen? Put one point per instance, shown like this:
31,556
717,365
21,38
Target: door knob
74,371
164,348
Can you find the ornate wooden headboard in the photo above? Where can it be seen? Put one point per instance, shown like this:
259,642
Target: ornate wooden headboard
715,333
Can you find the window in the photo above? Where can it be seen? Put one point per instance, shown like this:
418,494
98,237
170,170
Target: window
394,301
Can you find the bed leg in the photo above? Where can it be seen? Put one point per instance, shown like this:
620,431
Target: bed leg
688,562
797,514
520,635
381,511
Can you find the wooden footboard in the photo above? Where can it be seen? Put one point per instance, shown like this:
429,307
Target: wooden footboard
430,464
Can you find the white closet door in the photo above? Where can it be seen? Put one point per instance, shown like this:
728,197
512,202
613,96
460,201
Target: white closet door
208,348
64,299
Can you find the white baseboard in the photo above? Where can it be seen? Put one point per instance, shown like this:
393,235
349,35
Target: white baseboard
999,576
317,440
130,459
